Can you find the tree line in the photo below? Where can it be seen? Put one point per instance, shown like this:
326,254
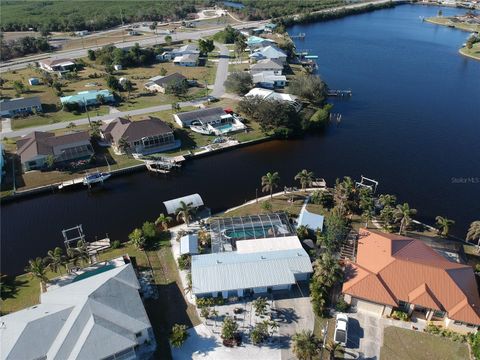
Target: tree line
23,46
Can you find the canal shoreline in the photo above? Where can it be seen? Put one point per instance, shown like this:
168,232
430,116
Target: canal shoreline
54,187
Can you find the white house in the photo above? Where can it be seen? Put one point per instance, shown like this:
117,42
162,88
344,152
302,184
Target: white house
275,96
186,60
270,52
98,315
273,65
57,65
159,83
269,80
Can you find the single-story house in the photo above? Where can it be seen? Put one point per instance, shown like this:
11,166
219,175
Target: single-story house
20,106
185,50
393,272
275,96
36,147
189,244
268,80
89,97
270,27
81,33
232,274
57,65
273,65
269,52
213,121
159,83
98,314
186,60
147,136
255,42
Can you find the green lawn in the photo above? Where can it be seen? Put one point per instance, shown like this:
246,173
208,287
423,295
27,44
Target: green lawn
473,52
447,21
319,325
402,344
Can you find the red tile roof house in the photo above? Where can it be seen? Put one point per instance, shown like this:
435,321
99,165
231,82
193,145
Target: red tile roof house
36,147
396,272
147,136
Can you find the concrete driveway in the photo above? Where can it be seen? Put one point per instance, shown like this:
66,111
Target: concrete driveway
365,336
222,71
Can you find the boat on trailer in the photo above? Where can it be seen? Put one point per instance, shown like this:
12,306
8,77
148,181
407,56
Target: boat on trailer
98,177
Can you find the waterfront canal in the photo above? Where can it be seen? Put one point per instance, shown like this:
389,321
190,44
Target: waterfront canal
413,123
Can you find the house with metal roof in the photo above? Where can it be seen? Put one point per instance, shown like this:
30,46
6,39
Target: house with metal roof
147,136
233,274
393,272
270,52
210,121
271,95
99,315
35,148
255,42
186,60
88,98
160,83
269,80
20,106
272,65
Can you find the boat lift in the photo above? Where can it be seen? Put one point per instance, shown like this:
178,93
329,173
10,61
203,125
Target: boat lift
367,183
74,234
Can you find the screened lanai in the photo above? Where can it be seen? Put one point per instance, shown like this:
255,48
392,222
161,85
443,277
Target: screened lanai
225,232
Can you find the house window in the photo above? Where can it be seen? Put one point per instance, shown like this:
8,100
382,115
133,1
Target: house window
404,306
439,314
464,324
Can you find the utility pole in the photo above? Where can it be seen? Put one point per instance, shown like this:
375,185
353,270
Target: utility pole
88,114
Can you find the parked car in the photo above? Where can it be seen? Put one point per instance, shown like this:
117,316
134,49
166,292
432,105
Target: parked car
341,329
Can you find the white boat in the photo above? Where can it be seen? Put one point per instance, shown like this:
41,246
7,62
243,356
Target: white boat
95,178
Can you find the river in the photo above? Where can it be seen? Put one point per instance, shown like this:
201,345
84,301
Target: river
413,124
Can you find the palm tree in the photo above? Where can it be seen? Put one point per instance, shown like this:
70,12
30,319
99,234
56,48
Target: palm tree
55,259
137,238
303,232
178,335
444,225
305,345
474,232
123,145
343,193
305,177
163,221
269,182
185,212
403,213
78,254
37,269
387,200
327,270
332,347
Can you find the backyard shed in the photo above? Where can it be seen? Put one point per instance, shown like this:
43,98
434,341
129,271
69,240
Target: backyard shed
189,244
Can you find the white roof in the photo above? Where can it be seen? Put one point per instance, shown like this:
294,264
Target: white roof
268,244
174,204
272,52
267,76
189,244
232,271
88,319
310,220
270,95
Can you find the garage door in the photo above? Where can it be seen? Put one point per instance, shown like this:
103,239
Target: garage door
366,306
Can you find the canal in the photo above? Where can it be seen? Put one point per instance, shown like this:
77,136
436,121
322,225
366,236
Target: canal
413,123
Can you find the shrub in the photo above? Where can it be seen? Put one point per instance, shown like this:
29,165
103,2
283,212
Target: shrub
400,315
116,244
205,312
185,262
205,302
342,305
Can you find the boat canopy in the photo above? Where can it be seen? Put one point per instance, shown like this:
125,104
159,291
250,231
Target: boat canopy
172,205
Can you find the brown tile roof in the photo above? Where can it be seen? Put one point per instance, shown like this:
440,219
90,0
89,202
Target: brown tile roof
135,130
43,143
411,271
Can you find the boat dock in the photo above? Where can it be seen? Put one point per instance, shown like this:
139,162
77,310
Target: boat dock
164,165
70,183
299,36
340,93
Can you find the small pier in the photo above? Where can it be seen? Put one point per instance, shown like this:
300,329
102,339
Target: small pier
164,165
298,36
76,181
339,93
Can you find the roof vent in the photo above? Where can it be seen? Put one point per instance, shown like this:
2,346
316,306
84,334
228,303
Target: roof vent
263,257
219,262
3,325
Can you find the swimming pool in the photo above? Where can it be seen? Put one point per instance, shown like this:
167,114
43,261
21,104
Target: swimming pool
259,232
93,272
224,128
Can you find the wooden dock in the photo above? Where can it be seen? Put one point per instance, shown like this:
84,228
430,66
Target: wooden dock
340,93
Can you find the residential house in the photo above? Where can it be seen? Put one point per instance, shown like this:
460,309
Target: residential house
212,121
36,147
275,96
57,65
89,98
159,83
186,60
147,136
20,106
188,49
270,27
269,80
97,314
273,65
250,255
393,272
255,42
269,52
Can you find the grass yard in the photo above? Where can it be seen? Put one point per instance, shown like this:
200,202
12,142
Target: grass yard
319,325
474,52
402,344
447,21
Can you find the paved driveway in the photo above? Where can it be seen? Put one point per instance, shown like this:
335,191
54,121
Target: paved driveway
365,336
222,71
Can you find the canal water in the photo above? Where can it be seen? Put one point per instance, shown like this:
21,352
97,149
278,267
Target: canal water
413,124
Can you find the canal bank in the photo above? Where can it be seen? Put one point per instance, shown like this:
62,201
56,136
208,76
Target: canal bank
400,128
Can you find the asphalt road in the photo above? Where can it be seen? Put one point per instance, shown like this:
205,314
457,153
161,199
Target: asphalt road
222,71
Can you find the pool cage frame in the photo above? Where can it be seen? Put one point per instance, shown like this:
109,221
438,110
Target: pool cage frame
218,226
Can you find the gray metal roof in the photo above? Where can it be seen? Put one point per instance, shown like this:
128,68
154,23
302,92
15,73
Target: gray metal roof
89,319
232,271
174,204
310,220
19,103
189,244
